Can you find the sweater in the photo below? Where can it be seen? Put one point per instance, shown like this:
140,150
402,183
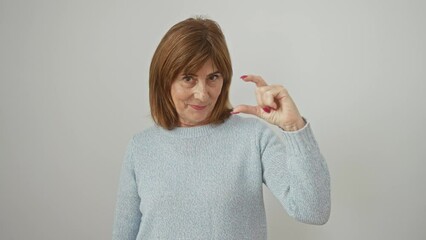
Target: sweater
205,182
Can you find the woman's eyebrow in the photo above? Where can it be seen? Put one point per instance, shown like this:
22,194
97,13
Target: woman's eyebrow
217,72
195,75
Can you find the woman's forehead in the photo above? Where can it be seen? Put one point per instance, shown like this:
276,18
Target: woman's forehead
208,65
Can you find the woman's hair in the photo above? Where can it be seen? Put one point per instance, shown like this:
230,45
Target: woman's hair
185,48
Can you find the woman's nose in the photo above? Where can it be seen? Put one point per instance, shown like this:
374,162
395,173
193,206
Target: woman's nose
200,92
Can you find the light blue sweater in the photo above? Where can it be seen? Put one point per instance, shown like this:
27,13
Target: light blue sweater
205,182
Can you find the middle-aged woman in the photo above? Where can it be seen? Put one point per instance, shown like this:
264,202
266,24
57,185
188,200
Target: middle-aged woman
198,172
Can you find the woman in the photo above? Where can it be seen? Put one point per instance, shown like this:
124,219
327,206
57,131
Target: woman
198,173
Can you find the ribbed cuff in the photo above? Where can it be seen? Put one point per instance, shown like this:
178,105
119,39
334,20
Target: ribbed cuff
301,142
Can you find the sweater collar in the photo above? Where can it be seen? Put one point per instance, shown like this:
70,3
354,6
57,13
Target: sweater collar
191,132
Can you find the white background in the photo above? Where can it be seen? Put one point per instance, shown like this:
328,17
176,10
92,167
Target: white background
73,90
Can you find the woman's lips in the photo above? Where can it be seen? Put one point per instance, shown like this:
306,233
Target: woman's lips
198,107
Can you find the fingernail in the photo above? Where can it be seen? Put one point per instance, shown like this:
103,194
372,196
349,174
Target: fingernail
267,109
243,76
234,112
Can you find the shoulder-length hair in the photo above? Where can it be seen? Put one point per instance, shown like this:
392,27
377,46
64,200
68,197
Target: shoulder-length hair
185,48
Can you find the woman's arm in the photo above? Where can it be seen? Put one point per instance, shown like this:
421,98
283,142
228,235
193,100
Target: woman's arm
297,174
295,171
127,214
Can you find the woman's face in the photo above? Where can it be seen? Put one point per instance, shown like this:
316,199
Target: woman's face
195,94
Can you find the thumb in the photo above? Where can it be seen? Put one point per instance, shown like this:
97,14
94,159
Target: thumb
253,110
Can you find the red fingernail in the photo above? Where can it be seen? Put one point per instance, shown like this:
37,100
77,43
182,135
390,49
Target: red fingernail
244,76
267,109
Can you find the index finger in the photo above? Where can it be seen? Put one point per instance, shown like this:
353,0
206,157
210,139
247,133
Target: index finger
258,80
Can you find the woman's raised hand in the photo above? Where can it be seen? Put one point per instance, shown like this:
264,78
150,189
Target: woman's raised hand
274,105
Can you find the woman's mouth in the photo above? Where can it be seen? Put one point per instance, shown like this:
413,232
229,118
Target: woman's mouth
198,107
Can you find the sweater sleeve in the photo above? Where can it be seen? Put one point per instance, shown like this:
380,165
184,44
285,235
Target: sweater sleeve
127,214
297,174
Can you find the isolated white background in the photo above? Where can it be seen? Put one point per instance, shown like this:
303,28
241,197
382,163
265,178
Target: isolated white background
73,90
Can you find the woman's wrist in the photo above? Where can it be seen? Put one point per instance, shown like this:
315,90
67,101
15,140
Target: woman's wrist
294,126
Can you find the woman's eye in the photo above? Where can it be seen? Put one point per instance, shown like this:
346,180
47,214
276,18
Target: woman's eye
187,78
214,77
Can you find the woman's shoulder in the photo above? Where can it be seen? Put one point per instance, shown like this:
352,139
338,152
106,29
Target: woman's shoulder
247,122
257,127
147,134
249,126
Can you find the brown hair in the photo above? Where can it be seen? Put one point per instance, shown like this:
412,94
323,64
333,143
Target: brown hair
185,48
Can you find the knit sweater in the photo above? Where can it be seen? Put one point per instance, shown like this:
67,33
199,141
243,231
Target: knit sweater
205,182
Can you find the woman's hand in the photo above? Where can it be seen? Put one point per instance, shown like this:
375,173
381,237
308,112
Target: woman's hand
274,105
